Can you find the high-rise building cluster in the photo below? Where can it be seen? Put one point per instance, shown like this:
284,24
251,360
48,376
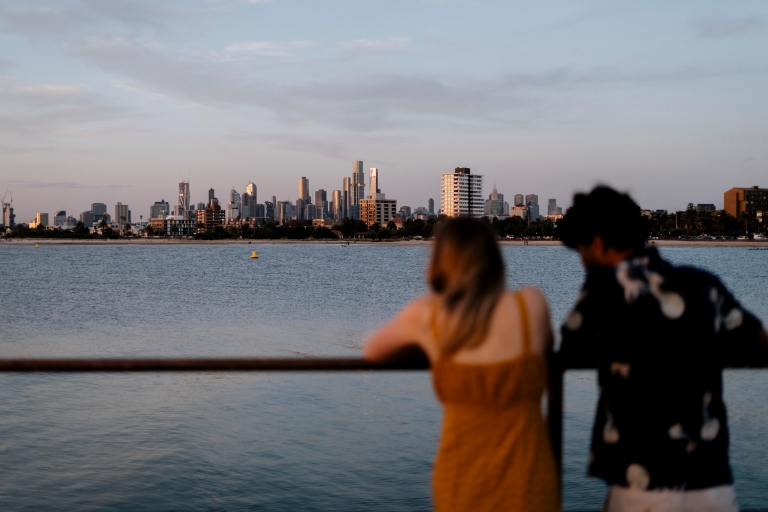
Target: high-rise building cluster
462,195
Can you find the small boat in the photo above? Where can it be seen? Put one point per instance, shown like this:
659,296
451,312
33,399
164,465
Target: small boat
254,255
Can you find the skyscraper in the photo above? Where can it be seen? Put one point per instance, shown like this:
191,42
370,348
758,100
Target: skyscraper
211,195
248,200
553,209
346,197
234,206
356,189
59,218
321,200
250,189
462,193
183,199
338,205
98,210
301,209
304,190
494,206
160,209
9,218
431,205
519,201
374,175
532,202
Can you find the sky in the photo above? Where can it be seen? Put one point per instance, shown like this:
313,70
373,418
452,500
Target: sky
106,101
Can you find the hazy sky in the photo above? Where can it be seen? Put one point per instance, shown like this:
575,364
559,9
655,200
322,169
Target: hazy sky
104,101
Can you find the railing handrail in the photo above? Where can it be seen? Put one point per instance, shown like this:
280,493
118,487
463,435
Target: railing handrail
203,364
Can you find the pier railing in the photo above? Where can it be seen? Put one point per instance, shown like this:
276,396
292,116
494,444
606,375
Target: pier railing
409,360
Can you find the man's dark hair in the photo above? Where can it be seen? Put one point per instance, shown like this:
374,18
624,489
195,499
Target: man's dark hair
606,213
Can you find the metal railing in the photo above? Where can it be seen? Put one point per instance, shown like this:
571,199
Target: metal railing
408,360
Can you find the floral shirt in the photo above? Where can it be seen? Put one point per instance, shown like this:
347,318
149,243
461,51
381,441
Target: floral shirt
660,337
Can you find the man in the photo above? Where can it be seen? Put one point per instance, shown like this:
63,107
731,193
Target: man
660,336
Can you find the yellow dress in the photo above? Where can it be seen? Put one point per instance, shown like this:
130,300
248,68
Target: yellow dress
494,451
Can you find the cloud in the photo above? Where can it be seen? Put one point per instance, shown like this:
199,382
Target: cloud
49,108
137,14
266,48
370,102
717,29
372,47
64,184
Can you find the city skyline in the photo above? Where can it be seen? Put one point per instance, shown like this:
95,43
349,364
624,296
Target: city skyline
122,101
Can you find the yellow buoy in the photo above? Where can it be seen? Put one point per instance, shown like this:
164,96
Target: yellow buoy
37,246
254,255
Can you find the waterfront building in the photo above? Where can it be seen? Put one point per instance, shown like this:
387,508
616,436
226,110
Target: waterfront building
122,215
210,217
338,205
174,225
532,202
161,208
553,209
304,190
59,218
269,209
234,206
751,201
431,206
462,193
301,209
41,219
378,210
519,211
494,206
183,199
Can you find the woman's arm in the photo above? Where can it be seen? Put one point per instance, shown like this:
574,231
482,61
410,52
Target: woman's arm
540,320
408,328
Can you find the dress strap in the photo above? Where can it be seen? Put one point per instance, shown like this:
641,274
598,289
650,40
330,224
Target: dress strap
524,323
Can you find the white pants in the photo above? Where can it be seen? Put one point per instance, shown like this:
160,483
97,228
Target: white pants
714,499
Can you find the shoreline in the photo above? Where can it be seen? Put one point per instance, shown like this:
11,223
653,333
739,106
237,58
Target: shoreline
531,243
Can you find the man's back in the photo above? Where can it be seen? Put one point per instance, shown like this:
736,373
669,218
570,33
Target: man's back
660,336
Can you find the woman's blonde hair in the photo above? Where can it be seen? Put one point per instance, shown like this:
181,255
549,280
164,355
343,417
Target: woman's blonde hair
467,276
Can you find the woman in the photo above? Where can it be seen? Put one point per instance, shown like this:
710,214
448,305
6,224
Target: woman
486,347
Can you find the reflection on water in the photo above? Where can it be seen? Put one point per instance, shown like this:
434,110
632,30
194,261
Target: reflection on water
352,441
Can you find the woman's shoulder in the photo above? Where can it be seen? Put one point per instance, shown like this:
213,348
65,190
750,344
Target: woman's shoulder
533,297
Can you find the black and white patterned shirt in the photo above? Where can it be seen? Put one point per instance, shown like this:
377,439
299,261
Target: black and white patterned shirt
660,337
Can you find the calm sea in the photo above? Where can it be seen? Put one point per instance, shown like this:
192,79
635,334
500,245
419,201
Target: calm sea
311,441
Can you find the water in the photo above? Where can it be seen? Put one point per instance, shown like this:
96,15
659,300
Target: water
309,441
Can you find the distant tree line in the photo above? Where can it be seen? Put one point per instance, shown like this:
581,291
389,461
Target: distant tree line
693,222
